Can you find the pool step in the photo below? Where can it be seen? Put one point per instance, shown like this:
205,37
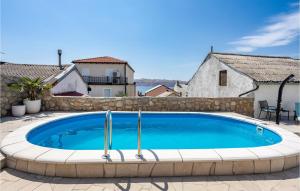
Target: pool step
2,160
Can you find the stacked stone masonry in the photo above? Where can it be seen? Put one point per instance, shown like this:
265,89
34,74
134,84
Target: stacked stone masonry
62,103
8,96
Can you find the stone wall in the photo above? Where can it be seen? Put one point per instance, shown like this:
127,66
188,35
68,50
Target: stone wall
8,96
62,103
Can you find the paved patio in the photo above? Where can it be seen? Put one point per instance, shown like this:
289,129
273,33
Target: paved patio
285,181
15,180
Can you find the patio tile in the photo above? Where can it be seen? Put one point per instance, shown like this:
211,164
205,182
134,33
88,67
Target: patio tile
31,153
145,169
284,150
11,140
86,156
55,156
65,170
277,164
89,170
224,168
9,150
265,152
236,154
162,155
199,155
262,166
183,169
127,170
204,168
110,170
36,168
163,169
124,156
243,167
22,165
290,162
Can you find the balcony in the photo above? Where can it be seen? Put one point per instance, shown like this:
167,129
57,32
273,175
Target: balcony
105,80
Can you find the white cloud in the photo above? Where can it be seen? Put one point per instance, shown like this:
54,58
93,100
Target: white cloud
282,30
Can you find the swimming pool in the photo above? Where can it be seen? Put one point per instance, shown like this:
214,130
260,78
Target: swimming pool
159,131
172,144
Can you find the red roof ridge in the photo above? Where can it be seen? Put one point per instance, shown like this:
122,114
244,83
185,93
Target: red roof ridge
100,59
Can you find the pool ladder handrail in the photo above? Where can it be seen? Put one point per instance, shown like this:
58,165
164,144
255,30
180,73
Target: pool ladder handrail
107,127
139,153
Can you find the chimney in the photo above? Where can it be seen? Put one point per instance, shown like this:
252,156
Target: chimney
59,52
211,49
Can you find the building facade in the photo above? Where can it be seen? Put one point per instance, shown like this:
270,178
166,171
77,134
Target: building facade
161,91
233,75
64,80
107,76
69,81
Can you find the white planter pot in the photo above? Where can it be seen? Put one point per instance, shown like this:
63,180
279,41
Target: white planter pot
32,106
18,110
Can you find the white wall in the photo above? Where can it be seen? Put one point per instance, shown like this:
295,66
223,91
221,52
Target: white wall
205,82
269,92
181,90
98,90
100,70
71,83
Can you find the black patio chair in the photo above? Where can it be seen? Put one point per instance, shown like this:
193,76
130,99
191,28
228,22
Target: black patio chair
264,107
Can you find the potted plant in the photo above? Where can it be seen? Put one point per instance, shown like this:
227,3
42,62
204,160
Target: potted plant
33,88
18,110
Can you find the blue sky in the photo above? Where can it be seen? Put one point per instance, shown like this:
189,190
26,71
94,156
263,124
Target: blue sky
160,39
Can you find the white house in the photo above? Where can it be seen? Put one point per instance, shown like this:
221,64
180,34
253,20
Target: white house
64,80
107,76
68,82
233,75
181,89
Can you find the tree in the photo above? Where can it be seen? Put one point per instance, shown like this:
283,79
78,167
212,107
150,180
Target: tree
32,87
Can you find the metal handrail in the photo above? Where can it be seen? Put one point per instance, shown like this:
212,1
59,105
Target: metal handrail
139,154
110,130
107,122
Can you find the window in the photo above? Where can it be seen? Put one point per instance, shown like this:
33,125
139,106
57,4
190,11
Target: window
107,92
223,78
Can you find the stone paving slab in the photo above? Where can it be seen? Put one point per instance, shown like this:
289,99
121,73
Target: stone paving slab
12,180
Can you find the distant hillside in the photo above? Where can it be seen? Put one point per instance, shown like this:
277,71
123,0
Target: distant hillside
155,82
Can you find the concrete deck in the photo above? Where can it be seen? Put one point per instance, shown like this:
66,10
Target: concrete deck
15,180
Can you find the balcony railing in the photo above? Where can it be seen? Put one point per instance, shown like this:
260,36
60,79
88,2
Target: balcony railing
104,80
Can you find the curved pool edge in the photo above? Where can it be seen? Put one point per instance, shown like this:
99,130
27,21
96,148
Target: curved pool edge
24,156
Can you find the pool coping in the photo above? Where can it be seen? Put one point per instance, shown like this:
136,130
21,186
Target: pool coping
16,146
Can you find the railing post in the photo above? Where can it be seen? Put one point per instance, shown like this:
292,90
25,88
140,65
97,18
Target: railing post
139,153
110,130
106,123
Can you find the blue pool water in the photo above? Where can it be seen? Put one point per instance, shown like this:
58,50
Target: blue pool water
159,131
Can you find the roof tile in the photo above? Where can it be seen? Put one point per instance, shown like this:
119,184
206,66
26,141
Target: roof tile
104,59
262,68
29,70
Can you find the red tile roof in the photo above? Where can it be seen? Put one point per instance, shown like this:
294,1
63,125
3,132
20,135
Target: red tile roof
104,59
